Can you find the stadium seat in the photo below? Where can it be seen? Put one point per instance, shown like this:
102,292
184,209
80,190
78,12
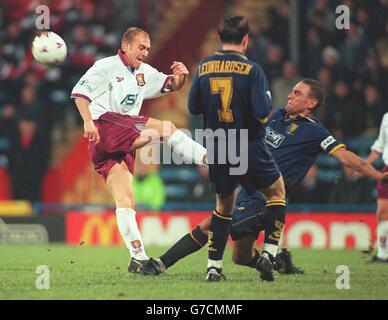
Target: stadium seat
179,173
4,143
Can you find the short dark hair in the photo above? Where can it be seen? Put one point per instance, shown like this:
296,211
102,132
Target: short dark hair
233,29
317,91
131,33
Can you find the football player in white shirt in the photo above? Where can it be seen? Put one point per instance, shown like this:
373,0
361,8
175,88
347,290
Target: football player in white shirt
378,149
109,98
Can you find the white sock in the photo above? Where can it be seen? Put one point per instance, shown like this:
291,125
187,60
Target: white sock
187,148
271,248
126,221
214,263
382,239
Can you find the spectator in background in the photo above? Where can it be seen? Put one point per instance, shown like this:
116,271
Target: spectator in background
319,24
344,116
148,187
354,48
324,77
327,14
312,60
281,86
31,105
382,46
311,189
373,111
273,61
28,157
352,188
331,60
258,43
371,72
278,28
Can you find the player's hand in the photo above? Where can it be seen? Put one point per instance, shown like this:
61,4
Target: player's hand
180,73
384,177
91,131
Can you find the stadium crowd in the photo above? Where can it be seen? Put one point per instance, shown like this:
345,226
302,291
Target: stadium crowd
35,108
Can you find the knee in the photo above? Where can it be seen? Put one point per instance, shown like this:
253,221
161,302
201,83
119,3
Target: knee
382,214
204,225
124,202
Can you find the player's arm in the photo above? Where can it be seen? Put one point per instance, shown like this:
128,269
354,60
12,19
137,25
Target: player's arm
378,146
358,164
261,100
373,156
88,86
90,130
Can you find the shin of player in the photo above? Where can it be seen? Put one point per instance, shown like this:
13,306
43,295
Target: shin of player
219,229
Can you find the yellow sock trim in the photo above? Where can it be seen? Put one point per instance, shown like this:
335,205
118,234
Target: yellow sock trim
192,236
276,203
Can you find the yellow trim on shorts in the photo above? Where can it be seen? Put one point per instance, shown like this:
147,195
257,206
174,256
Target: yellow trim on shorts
263,120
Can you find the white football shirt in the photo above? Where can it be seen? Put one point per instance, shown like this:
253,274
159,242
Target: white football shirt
381,144
110,85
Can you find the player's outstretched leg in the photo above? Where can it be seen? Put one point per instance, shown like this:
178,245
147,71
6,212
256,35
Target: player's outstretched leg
177,140
188,244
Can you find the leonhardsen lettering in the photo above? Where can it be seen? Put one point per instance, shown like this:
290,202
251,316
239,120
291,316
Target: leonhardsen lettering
224,66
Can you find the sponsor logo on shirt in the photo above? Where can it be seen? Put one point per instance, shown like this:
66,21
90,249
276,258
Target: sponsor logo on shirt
292,128
273,138
119,79
140,79
128,102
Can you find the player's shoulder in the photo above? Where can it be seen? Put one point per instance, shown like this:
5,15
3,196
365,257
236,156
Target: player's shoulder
107,64
385,119
147,68
278,113
257,69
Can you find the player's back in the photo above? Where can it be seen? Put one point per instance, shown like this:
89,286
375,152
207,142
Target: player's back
231,92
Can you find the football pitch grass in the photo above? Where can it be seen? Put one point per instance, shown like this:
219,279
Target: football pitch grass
101,273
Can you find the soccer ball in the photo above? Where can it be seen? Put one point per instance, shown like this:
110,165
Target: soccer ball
49,49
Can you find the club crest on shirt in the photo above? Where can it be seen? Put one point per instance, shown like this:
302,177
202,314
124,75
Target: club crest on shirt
292,128
140,79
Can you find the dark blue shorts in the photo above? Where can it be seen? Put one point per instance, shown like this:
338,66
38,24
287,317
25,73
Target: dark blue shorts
248,215
262,171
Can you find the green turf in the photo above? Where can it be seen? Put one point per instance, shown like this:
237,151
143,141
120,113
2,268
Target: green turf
100,273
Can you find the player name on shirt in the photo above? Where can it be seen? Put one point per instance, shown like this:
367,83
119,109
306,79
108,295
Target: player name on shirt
224,66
